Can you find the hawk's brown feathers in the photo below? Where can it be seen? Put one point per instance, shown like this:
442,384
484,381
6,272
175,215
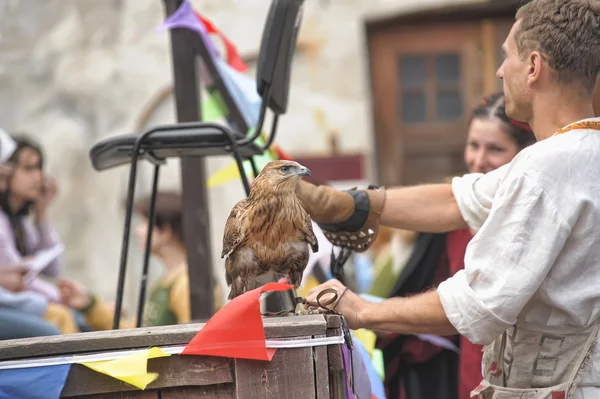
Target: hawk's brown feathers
269,230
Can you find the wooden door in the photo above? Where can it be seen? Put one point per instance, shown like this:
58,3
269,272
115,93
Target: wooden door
426,79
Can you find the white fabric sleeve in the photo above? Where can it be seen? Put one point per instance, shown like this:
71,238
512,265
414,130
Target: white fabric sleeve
474,194
506,261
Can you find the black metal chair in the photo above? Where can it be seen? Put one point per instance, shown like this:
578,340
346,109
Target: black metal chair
206,139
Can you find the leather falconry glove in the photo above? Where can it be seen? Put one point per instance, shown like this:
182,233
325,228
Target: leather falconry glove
350,218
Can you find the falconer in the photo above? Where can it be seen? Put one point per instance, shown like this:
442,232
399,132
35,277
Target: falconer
530,290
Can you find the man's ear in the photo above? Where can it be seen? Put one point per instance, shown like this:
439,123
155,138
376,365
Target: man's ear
535,68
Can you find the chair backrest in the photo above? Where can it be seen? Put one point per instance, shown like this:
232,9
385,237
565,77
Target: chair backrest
276,52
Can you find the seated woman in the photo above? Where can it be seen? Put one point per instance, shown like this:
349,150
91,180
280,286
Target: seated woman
493,140
25,230
24,226
169,297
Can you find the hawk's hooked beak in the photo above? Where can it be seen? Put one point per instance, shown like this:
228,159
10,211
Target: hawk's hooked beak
304,171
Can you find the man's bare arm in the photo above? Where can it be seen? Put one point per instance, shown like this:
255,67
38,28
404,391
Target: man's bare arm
427,208
419,314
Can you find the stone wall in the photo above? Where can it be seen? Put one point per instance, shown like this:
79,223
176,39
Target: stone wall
75,71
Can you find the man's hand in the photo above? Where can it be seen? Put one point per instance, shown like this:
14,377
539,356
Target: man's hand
348,303
419,314
74,294
13,279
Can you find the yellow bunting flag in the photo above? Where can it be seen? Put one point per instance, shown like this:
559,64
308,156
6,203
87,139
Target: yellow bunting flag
132,369
367,338
231,172
224,175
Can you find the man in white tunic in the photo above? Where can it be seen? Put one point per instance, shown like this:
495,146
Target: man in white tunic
531,285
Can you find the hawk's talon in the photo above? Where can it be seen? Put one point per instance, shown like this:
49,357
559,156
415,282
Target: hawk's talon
301,310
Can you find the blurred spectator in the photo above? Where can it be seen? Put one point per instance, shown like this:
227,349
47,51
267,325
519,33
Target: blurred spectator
24,307
24,226
169,297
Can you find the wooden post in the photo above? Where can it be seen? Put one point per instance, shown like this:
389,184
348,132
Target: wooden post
488,39
196,224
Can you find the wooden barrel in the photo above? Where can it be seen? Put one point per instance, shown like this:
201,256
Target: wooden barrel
302,373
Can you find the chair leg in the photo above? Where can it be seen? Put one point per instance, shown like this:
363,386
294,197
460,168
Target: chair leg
125,241
254,168
238,159
135,153
240,165
151,222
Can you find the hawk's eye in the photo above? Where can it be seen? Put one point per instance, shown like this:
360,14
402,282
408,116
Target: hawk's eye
285,169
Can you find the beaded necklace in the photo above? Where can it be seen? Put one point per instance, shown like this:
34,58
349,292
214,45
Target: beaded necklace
589,125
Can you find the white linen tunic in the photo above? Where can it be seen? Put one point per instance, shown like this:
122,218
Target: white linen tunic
536,254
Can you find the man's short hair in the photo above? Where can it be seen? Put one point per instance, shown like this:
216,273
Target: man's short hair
567,34
169,211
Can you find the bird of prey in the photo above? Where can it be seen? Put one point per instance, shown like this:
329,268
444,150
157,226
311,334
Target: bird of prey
269,231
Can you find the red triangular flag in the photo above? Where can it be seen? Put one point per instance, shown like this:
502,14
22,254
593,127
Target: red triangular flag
233,58
236,330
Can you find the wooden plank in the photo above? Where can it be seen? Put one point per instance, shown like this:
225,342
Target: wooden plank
321,370
290,374
333,321
335,360
98,341
275,327
173,371
336,366
124,395
206,392
294,326
334,352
